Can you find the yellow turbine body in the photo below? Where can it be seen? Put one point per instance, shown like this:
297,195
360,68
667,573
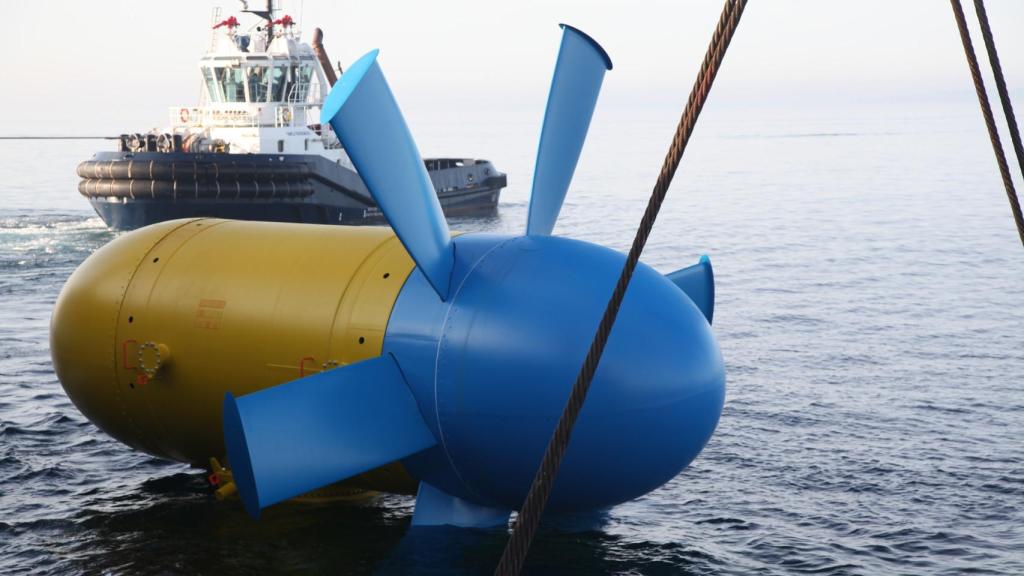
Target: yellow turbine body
153,329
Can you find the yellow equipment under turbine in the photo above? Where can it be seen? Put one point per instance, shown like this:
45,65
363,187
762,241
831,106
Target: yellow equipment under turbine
155,327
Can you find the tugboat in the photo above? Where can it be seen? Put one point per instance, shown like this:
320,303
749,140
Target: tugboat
254,149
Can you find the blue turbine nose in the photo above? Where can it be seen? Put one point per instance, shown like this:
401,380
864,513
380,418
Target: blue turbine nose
494,377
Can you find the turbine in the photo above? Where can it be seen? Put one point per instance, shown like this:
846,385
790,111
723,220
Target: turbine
484,341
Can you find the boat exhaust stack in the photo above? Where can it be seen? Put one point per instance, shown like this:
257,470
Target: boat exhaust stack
321,55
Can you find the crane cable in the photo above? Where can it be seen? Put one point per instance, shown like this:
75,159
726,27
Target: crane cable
986,107
526,523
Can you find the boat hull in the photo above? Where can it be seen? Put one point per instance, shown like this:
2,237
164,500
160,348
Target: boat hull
130,191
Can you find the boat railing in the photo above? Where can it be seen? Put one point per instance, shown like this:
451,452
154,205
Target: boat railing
195,117
283,116
298,93
290,115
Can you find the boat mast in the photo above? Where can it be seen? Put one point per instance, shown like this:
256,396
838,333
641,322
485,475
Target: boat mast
267,15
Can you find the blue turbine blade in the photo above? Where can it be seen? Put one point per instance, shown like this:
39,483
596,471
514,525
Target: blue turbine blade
295,437
698,282
434,507
363,112
579,72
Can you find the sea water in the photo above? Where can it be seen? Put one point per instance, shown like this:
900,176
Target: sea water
869,308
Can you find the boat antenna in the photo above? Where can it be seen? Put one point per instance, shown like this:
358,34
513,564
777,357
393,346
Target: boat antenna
267,15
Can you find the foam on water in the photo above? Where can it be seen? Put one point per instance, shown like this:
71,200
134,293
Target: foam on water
869,313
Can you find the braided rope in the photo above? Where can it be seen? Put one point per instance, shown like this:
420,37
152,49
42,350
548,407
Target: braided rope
997,71
526,524
986,108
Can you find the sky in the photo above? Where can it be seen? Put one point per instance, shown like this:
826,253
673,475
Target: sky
104,67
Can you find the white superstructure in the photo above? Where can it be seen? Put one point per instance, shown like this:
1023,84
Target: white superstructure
260,95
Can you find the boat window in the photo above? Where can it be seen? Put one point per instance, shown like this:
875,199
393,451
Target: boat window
258,80
300,91
280,83
232,82
212,88
290,83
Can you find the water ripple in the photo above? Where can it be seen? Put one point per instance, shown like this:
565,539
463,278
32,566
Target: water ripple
870,321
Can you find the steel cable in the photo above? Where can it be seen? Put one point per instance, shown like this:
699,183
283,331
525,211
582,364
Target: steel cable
997,71
986,108
530,513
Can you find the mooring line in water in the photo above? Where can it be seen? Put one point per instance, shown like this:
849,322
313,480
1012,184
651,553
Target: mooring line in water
986,107
526,524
